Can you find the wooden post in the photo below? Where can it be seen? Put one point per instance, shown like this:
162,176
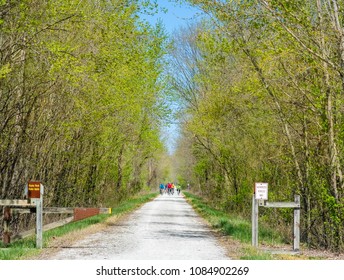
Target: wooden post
254,221
296,205
39,223
36,190
6,238
296,245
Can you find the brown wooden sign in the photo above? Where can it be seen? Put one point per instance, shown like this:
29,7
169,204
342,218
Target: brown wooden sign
34,189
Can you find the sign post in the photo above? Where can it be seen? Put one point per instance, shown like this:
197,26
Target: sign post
296,243
35,195
260,194
260,198
254,222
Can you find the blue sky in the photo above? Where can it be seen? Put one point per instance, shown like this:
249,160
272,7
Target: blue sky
176,16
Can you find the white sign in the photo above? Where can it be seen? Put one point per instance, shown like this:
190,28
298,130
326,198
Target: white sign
261,191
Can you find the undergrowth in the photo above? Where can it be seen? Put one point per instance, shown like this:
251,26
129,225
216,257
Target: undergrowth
237,228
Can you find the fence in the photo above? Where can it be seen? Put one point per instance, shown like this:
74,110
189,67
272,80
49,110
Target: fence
34,205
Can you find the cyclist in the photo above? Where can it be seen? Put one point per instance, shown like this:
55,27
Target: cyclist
162,189
178,189
169,187
172,188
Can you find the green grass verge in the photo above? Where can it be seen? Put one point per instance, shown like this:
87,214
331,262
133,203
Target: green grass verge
27,246
236,227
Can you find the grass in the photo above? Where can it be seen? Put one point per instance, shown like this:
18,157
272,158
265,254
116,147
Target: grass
27,246
237,228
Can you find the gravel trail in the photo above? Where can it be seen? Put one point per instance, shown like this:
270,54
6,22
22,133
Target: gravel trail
166,228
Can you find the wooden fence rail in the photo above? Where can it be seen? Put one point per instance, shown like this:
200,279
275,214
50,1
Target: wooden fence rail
19,206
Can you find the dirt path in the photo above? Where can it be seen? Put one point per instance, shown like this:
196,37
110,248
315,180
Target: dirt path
166,228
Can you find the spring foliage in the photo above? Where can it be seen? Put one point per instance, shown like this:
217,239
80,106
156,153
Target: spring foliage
79,99
262,88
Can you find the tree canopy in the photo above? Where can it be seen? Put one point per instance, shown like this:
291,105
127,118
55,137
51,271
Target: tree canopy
263,101
80,99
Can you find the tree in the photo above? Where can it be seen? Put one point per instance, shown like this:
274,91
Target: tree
79,100
268,106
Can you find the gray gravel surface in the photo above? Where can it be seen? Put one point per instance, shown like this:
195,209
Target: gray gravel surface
166,228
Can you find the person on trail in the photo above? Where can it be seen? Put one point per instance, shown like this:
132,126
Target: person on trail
178,189
169,187
162,189
172,188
